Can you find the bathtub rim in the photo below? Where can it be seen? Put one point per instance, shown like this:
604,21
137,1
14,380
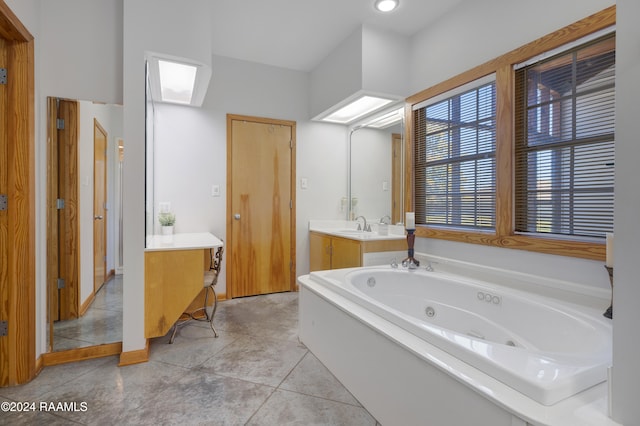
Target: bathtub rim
591,403
546,392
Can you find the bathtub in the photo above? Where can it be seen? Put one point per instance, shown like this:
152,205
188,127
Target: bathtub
544,349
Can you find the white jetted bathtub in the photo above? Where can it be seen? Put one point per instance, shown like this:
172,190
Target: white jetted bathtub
541,347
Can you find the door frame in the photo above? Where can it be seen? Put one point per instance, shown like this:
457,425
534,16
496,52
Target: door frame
17,289
292,174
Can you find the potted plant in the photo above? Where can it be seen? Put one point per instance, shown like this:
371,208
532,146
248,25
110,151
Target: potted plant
167,220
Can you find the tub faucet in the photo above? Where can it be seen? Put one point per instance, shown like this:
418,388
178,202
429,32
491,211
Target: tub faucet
366,228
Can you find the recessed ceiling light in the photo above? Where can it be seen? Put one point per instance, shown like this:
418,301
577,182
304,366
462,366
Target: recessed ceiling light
177,80
386,5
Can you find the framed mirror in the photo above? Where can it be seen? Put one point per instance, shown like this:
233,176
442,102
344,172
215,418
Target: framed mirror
85,151
376,167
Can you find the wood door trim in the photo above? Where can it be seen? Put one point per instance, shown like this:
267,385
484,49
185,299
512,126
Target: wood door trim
229,254
17,298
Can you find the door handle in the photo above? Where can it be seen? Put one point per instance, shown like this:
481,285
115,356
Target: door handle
97,217
236,216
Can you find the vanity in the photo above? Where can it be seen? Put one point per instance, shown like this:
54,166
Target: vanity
174,274
336,244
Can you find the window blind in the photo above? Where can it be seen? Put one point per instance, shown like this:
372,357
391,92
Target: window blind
455,144
564,142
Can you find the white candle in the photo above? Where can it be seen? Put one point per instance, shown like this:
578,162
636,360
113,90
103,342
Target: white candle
609,261
410,220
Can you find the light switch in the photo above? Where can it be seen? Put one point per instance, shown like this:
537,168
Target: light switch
215,190
385,185
304,183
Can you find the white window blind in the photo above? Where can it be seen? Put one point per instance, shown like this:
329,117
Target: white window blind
564,142
455,144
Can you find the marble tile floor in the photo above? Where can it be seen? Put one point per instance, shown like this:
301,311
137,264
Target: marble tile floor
255,373
102,323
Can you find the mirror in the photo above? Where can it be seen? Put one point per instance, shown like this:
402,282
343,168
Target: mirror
84,220
376,167
149,160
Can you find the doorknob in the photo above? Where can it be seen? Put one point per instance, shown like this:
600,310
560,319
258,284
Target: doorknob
97,218
236,216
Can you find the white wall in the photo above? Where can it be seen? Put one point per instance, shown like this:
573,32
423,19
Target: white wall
626,312
191,150
477,31
385,55
71,32
146,28
338,76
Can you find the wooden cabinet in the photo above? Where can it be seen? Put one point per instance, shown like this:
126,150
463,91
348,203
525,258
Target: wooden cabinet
333,252
329,252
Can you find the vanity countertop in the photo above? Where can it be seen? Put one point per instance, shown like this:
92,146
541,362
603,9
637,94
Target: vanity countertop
182,241
349,229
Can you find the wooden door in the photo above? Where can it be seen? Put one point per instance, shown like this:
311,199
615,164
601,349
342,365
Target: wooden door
63,228
17,216
261,204
99,205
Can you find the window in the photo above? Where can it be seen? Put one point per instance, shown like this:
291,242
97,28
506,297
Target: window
521,156
455,147
564,142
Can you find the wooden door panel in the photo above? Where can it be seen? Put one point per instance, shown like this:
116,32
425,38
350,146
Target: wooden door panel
68,219
99,202
261,197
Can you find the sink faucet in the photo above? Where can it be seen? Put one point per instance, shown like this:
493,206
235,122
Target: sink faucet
366,227
386,219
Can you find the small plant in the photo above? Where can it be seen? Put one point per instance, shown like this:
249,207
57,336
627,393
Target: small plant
167,219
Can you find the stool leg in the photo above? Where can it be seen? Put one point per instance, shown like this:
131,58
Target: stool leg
173,334
213,311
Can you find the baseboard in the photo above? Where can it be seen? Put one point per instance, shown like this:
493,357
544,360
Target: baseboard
39,365
80,354
87,304
134,357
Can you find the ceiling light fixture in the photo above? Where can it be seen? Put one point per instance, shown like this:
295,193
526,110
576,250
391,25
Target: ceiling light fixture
356,109
386,5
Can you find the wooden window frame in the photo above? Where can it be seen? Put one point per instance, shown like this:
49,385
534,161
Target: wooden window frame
504,235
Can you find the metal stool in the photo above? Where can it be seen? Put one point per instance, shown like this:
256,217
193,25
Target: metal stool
210,280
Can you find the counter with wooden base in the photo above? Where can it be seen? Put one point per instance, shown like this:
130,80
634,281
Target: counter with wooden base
174,268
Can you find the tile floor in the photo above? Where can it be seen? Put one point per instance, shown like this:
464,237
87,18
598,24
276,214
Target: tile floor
255,373
102,323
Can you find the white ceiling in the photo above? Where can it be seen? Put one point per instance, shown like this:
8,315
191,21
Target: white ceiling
299,34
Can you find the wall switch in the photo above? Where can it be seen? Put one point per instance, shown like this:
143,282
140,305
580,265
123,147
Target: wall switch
385,185
215,190
164,207
304,183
